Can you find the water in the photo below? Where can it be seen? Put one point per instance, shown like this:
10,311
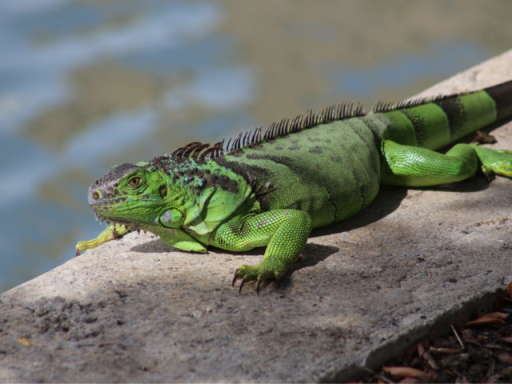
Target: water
85,85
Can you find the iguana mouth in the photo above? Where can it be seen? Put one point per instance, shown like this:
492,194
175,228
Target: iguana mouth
131,225
100,197
103,208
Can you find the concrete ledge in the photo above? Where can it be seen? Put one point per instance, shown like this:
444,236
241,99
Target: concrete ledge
136,310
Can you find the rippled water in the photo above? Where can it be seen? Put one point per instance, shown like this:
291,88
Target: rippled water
88,84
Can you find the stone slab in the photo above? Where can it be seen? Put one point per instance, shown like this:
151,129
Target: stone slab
136,310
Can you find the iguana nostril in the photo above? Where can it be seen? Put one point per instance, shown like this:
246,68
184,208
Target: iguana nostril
96,195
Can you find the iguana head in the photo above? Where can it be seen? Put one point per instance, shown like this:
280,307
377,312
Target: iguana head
167,193
131,194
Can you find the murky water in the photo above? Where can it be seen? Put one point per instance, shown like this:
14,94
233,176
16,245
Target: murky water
88,84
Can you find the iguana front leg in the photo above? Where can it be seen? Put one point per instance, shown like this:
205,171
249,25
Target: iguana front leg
173,236
284,231
112,232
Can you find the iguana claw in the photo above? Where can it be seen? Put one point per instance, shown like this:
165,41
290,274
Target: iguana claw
258,287
235,278
241,285
259,273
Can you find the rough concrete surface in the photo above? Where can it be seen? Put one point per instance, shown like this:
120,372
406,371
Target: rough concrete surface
136,310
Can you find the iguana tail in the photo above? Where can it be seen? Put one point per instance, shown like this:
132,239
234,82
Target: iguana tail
436,122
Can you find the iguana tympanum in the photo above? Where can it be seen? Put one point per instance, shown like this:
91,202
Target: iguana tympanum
271,188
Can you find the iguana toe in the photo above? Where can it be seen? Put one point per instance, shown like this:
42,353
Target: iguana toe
260,273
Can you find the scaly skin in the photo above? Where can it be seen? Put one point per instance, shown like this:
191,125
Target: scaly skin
303,173
112,232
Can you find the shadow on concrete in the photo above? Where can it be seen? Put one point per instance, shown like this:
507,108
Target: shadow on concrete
386,202
312,255
153,246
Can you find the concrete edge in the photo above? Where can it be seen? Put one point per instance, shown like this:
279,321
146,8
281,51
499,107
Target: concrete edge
394,347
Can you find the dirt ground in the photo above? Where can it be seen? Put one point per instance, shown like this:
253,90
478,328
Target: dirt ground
479,351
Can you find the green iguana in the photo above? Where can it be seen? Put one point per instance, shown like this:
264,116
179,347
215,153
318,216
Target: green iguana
271,188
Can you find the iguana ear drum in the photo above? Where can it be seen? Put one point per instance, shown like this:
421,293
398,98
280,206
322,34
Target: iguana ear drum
162,190
171,218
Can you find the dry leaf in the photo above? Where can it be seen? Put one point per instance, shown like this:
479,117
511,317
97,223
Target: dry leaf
484,138
507,370
444,343
380,380
421,349
405,371
24,341
467,335
444,350
508,339
488,318
494,378
500,315
505,358
509,289
449,373
481,339
413,379
427,356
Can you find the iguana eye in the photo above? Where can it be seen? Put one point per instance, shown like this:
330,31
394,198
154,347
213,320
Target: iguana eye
134,181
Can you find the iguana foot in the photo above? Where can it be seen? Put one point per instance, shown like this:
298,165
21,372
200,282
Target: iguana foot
497,162
261,272
112,232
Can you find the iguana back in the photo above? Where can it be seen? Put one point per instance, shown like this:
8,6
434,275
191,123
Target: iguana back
332,170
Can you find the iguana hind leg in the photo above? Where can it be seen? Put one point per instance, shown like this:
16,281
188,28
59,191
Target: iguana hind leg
419,167
495,161
284,230
112,232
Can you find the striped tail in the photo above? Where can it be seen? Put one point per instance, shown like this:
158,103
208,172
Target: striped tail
502,96
436,122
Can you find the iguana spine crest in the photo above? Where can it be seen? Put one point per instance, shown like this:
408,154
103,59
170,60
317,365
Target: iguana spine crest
380,106
202,152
